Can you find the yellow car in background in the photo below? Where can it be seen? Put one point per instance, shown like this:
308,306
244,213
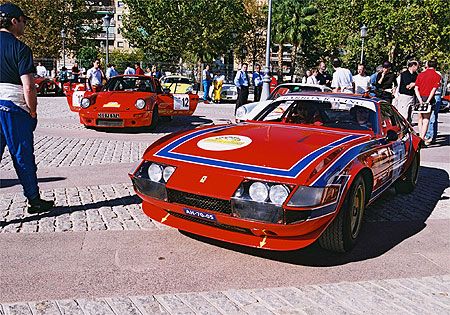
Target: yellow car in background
178,84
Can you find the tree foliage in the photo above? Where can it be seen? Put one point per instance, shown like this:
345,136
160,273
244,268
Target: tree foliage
48,18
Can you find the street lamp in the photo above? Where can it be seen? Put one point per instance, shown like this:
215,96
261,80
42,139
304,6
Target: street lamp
107,22
363,36
244,52
63,35
266,80
234,34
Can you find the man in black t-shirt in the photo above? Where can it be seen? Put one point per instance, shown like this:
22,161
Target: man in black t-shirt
406,88
18,102
386,83
323,76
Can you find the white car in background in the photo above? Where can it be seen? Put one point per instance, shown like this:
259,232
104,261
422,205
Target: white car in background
249,111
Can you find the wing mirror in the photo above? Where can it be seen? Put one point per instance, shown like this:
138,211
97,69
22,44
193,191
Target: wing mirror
166,90
391,135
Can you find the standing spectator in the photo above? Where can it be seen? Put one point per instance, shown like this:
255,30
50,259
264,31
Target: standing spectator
75,72
156,73
206,80
362,81
342,78
62,78
427,83
313,77
111,71
406,88
431,134
308,73
373,77
242,82
148,72
41,70
129,70
138,69
386,83
426,86
218,82
95,76
257,83
18,104
323,76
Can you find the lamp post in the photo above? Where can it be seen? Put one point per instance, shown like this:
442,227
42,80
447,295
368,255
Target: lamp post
266,80
363,36
234,34
244,52
107,22
63,35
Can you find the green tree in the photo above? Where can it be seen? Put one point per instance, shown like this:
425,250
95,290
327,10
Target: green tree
48,18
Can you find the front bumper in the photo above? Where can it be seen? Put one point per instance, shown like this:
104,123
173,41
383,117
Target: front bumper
125,119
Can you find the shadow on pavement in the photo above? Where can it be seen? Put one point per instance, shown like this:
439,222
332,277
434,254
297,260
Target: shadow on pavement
176,124
390,220
14,181
441,141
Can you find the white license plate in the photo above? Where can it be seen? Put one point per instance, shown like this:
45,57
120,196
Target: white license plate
108,115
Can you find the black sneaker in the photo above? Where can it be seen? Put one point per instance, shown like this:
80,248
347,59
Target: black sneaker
38,205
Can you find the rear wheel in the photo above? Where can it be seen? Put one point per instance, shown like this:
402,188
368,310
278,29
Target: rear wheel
408,182
342,233
155,117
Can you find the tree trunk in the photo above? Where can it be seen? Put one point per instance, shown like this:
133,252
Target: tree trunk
199,73
293,57
280,63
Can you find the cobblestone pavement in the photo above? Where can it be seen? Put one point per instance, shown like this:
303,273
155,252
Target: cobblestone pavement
428,295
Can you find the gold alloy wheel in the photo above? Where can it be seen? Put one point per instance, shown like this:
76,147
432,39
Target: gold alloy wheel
357,211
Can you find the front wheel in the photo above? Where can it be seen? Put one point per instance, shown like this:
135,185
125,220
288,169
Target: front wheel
342,233
44,90
155,118
407,183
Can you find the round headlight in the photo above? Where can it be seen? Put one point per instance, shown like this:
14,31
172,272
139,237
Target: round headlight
240,112
259,191
85,102
140,104
168,171
155,172
278,194
36,85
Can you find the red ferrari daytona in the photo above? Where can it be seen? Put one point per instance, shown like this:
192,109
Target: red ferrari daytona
304,170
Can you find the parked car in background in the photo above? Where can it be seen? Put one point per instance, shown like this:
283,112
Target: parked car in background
249,111
178,84
44,86
229,91
303,171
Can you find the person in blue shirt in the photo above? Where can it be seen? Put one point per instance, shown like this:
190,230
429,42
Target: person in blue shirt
111,71
257,83
242,82
18,104
206,80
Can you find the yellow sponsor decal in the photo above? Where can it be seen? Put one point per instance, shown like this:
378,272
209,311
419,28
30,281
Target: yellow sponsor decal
263,242
112,104
165,218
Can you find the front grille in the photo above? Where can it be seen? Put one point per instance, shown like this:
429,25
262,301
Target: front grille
212,223
109,122
201,202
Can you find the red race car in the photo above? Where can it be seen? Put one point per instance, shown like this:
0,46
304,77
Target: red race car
130,101
304,170
46,85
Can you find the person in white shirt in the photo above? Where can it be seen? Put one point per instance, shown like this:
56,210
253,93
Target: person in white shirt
41,70
129,69
95,76
342,78
306,76
362,81
312,79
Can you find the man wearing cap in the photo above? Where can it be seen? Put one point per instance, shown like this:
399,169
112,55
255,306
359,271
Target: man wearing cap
386,83
18,102
406,88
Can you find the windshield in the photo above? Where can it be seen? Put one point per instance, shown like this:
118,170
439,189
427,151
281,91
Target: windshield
177,80
286,88
130,84
336,113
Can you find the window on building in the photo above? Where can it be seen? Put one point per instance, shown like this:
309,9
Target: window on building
120,4
119,17
120,44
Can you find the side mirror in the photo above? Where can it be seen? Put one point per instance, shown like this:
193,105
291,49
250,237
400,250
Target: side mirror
391,135
166,90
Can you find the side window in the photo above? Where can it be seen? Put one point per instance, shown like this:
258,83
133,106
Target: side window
400,121
388,120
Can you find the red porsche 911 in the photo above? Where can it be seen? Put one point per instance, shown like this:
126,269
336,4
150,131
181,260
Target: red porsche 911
303,170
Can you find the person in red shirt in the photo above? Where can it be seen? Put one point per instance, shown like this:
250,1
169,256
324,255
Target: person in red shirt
138,69
426,85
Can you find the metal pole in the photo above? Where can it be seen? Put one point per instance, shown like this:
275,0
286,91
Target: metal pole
64,54
266,80
362,50
107,45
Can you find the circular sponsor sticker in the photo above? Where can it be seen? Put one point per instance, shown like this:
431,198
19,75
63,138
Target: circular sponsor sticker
224,143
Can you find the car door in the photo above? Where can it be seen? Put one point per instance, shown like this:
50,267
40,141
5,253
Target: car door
165,101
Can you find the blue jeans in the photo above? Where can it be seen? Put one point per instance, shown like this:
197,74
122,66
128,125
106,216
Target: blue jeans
433,125
16,131
206,85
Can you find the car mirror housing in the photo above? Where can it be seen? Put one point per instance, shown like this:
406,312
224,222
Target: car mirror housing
391,135
166,90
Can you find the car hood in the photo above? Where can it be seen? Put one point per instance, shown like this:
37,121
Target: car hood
226,154
117,100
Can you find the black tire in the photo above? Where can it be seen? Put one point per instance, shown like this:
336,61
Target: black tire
155,118
44,90
341,235
166,118
408,182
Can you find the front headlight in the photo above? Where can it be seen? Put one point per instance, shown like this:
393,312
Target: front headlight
140,104
259,191
155,172
278,194
36,85
241,112
168,171
85,102
307,196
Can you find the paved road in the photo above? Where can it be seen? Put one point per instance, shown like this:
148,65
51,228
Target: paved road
96,253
